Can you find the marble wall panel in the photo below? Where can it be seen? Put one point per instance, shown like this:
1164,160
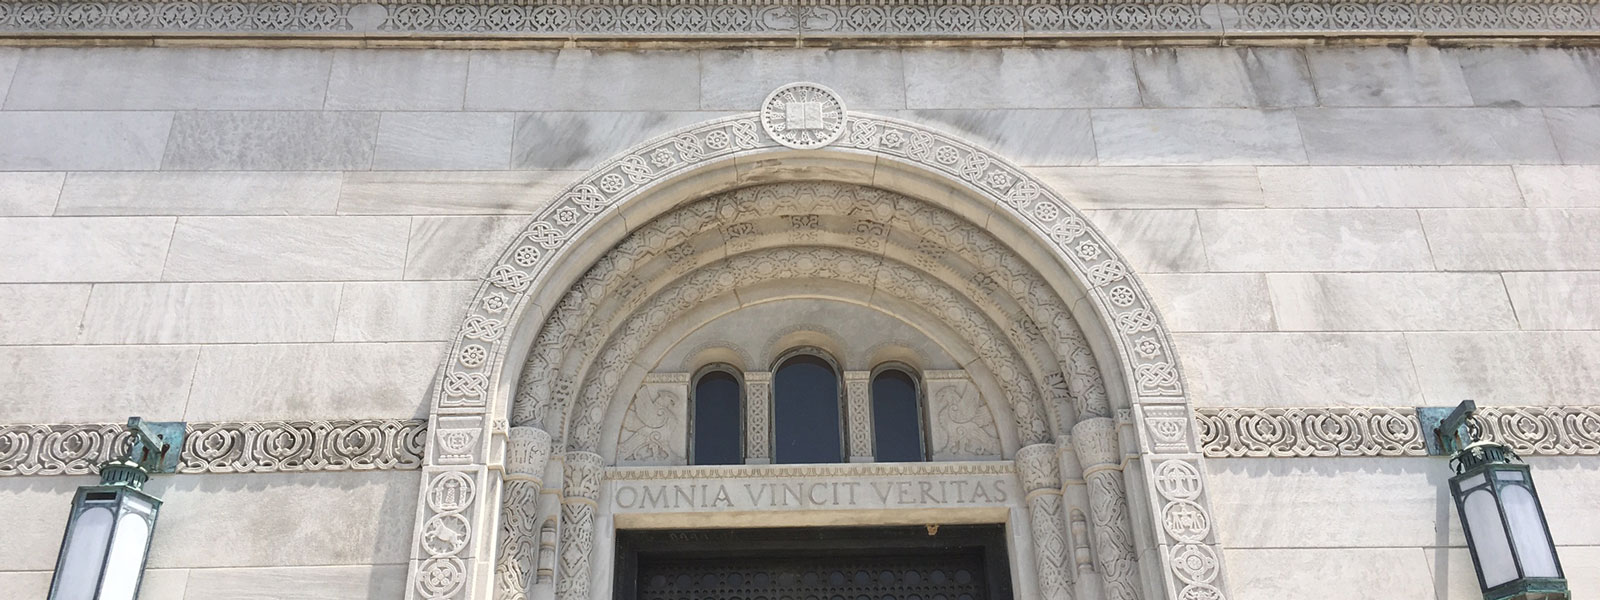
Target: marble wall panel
451,192
1154,187
1328,573
84,384
1211,301
397,80
241,382
1223,77
1559,186
196,193
402,311
440,140
1299,369
1315,240
458,247
83,249
29,194
8,68
1326,503
284,519
1214,136
740,80
583,79
287,248
1388,76
1514,239
271,141
1513,76
581,140
1554,299
82,141
1425,136
1390,301
1020,78
1389,187
1027,137
363,582
1526,368
202,313
1577,134
158,584
1154,241
1569,489
170,79
1456,579
41,313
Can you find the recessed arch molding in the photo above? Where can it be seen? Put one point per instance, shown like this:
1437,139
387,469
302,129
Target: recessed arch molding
1107,439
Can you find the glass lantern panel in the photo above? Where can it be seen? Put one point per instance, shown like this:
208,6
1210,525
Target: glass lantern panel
1528,532
1472,482
79,571
1482,517
126,562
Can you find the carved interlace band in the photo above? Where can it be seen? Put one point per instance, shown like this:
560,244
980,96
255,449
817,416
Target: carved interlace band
241,447
384,444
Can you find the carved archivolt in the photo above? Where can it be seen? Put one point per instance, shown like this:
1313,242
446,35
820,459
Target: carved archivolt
1013,320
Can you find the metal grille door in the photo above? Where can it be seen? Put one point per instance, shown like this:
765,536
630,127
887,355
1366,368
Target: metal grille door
924,577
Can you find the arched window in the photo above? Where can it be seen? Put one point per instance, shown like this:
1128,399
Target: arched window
805,411
717,427
896,417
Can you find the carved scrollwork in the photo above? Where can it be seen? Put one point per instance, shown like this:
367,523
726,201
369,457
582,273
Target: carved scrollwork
237,447
1340,431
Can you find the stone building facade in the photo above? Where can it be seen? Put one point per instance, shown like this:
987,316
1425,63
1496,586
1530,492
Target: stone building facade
438,289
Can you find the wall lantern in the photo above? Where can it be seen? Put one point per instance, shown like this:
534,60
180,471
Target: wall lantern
1499,509
108,532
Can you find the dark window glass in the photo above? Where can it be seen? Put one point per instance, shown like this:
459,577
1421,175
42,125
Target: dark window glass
718,420
805,412
896,419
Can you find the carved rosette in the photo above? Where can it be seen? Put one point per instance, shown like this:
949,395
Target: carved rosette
1096,442
1036,466
579,502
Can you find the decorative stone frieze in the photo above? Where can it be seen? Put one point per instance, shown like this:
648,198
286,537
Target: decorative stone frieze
237,447
788,19
1341,431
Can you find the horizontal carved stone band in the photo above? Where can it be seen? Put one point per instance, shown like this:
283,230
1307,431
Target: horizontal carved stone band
377,444
754,19
249,447
1301,432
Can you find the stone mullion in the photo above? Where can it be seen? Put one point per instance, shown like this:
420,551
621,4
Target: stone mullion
758,418
1036,467
858,404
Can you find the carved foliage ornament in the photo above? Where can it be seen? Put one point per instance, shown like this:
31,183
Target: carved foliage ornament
1338,431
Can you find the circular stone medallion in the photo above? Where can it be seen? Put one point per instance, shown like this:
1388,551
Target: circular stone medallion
803,116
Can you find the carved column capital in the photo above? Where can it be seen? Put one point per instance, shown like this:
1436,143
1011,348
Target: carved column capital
527,454
1096,442
1036,465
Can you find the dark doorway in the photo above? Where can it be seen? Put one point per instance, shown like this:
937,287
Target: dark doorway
955,562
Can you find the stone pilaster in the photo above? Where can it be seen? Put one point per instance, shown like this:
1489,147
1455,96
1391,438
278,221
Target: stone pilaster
1036,466
858,408
758,418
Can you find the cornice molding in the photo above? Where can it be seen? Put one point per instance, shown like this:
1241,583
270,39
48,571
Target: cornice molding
236,447
805,19
1345,431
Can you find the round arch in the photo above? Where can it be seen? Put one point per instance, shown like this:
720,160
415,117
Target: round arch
475,458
